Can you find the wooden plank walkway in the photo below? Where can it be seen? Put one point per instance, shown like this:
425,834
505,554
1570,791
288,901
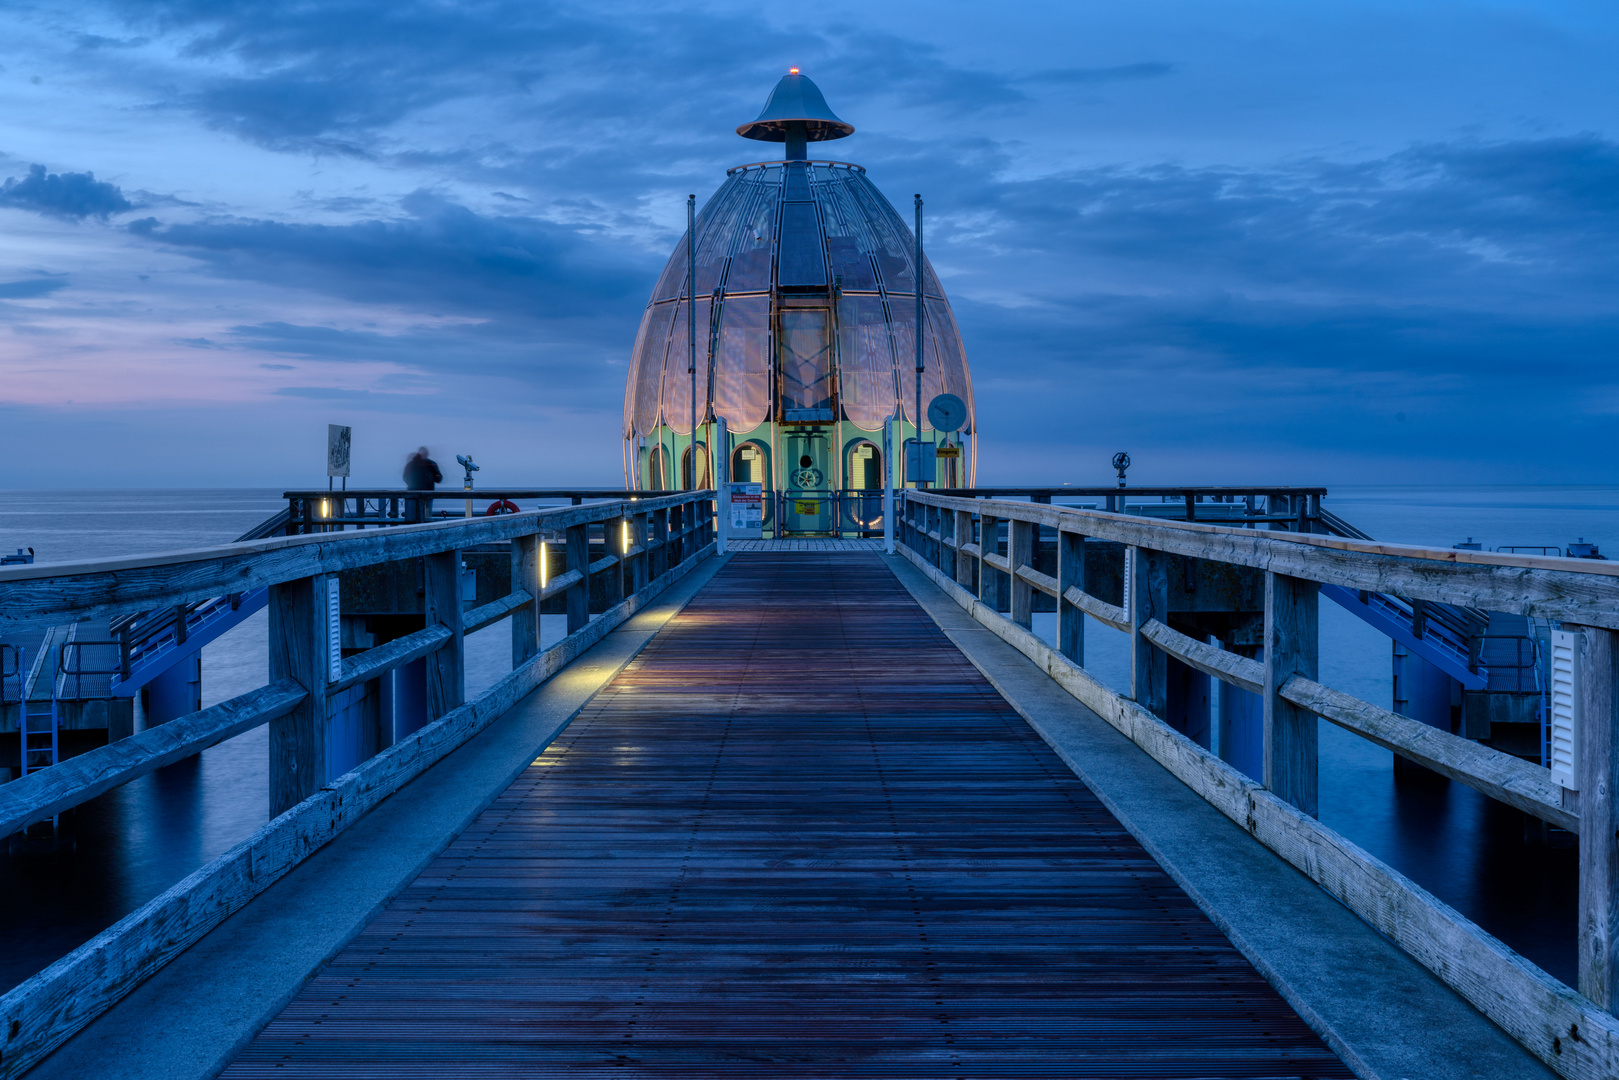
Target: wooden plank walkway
799,836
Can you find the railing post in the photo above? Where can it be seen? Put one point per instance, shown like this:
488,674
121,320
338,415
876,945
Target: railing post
989,578
1597,773
441,604
301,649
1070,575
934,543
1146,596
579,593
963,537
1019,553
660,534
638,568
526,619
1292,642
618,538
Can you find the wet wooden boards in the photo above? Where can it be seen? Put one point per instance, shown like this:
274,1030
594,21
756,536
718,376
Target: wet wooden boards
798,836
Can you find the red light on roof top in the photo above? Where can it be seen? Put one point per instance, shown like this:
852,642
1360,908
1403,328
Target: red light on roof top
792,71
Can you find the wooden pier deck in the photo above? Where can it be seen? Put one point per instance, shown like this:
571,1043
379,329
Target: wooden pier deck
799,835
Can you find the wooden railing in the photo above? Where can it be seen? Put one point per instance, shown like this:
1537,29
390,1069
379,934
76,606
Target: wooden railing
316,511
959,542
648,544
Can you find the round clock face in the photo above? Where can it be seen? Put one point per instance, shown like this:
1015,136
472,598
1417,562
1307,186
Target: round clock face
808,478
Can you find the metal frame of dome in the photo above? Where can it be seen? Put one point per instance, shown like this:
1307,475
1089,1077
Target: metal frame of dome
805,318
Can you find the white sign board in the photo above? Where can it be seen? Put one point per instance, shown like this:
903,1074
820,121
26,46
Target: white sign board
337,449
747,511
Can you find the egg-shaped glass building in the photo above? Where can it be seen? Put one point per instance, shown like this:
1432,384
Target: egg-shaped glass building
805,342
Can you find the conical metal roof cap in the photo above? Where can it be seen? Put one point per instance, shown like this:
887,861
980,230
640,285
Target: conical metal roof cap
796,98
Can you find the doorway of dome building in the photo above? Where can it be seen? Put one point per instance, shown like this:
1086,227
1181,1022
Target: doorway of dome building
657,472
702,469
750,464
861,500
807,495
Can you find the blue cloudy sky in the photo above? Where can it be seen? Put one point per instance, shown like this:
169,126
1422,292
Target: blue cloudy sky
1250,242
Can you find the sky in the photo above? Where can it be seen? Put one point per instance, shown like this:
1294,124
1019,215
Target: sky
1324,243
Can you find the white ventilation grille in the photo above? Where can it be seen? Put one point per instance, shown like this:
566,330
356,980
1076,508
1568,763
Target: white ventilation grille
1563,731
334,630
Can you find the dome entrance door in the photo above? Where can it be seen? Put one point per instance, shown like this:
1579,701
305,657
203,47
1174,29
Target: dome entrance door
806,383
807,496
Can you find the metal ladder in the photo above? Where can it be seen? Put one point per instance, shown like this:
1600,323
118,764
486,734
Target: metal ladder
38,719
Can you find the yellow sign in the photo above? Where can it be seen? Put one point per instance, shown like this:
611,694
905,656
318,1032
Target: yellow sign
949,451
806,506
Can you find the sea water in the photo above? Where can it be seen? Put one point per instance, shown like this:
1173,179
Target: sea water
134,842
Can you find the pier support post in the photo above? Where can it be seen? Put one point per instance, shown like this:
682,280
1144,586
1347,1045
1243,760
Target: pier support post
1146,596
964,561
301,648
1597,772
579,593
526,619
1070,575
441,600
1292,642
1020,553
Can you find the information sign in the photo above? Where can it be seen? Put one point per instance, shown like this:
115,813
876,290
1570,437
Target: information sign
747,511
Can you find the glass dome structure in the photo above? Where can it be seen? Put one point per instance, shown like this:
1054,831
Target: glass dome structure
805,346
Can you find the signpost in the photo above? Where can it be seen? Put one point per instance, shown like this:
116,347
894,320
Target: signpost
947,413
338,439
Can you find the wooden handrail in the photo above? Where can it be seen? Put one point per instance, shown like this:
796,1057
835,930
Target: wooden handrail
1569,590
363,667
47,792
37,595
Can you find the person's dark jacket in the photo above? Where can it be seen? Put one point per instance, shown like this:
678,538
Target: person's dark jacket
421,473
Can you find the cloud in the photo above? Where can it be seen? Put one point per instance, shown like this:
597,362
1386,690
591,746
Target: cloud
31,289
436,256
1088,75
68,196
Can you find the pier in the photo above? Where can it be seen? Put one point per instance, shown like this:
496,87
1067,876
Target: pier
805,807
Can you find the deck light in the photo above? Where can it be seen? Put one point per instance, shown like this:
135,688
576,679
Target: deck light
542,564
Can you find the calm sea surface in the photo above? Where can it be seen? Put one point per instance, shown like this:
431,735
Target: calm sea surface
133,843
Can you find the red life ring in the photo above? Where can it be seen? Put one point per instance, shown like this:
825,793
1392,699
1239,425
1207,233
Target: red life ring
501,506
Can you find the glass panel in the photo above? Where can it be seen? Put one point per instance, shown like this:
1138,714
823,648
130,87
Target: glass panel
806,365
801,261
865,361
893,238
742,375
677,377
903,313
848,241
632,380
649,366
713,235
755,235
